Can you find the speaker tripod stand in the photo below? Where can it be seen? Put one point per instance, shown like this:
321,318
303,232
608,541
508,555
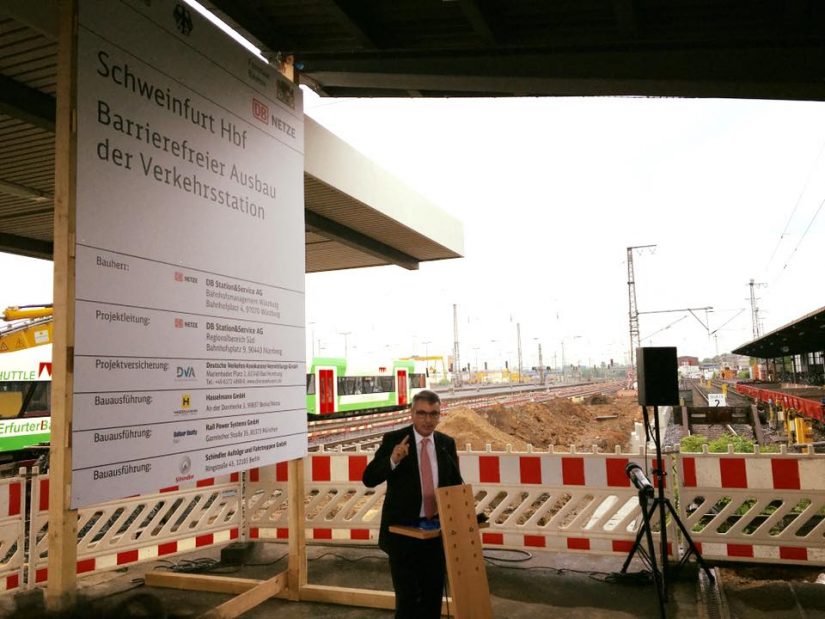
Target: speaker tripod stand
651,502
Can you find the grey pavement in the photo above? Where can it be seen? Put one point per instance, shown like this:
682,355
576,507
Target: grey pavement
522,585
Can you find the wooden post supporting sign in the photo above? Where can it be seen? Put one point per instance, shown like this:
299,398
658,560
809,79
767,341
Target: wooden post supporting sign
62,535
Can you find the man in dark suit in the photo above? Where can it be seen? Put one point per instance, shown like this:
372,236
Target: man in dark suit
417,566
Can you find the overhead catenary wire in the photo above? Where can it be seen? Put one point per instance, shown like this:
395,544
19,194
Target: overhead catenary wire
796,205
647,337
804,234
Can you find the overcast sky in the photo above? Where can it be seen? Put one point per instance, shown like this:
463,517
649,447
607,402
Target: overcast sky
551,193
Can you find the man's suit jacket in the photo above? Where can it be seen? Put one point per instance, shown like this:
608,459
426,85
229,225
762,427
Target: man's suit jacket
402,502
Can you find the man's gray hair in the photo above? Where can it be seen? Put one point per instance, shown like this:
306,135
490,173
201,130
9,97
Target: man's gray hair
430,397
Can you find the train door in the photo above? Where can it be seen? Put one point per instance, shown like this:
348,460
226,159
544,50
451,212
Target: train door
402,387
326,392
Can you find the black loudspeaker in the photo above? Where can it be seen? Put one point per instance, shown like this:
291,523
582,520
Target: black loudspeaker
657,375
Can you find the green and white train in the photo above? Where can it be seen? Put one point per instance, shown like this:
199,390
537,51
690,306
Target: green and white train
336,388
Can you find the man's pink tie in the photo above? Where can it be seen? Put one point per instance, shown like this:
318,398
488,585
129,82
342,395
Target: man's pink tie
427,479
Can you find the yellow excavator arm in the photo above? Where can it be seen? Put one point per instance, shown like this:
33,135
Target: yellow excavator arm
28,326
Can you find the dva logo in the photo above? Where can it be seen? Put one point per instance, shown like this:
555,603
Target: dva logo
187,372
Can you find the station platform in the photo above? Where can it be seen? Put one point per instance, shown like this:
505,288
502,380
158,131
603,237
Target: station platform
576,586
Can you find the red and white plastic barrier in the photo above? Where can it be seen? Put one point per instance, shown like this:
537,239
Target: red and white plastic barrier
12,532
755,507
144,528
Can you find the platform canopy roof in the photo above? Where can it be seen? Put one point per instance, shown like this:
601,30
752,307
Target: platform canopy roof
435,48
356,213
757,49
804,335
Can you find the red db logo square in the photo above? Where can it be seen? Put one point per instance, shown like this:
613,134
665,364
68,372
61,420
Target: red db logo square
178,323
260,111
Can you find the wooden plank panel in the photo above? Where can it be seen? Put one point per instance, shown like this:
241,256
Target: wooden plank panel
464,554
201,582
248,599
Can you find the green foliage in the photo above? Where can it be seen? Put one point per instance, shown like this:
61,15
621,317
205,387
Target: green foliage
693,444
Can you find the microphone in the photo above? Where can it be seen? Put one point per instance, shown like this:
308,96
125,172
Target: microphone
637,477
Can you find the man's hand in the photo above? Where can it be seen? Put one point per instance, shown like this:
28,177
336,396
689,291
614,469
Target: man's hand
400,451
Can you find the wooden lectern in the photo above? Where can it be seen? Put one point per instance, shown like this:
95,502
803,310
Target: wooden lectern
460,533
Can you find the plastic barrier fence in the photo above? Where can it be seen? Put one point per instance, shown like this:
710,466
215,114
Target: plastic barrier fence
128,531
767,508
12,532
571,502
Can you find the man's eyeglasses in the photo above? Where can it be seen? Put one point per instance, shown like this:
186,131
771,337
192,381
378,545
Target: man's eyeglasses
433,415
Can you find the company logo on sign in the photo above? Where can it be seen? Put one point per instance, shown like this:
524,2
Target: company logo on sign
185,465
178,323
45,366
260,111
186,373
180,277
185,406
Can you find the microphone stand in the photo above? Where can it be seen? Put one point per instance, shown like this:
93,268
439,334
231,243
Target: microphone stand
664,506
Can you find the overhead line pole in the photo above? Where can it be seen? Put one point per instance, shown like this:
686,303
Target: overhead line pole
755,309
456,361
633,312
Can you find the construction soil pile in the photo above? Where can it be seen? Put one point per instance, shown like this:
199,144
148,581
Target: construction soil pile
603,421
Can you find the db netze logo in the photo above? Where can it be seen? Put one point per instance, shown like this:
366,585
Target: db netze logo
260,111
178,276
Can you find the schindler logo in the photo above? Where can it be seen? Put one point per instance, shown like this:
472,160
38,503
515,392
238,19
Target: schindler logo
260,111
185,373
185,466
183,19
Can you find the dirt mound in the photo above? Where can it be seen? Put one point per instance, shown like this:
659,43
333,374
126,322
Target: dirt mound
467,426
604,421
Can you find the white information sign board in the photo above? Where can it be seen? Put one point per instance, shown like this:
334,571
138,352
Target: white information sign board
717,399
189,315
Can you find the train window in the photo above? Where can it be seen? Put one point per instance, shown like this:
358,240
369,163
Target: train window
310,384
349,385
38,392
386,384
418,381
367,384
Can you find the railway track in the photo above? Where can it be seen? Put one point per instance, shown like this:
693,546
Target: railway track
365,431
